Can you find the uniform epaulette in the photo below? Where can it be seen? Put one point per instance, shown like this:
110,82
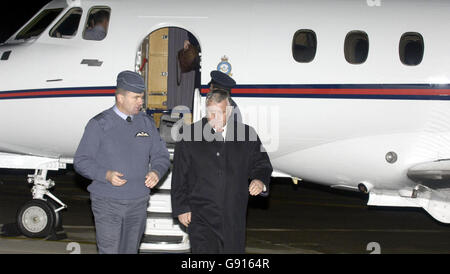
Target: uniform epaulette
99,116
103,120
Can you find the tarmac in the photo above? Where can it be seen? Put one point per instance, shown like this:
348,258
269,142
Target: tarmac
81,240
303,219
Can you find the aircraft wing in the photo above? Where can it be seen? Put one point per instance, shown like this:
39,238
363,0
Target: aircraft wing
432,192
20,161
434,174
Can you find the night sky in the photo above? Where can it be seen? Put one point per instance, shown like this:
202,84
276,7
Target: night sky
15,14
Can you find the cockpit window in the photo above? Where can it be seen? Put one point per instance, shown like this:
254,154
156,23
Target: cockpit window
68,25
97,24
38,24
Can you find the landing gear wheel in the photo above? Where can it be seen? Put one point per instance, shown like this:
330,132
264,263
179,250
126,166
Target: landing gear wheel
58,215
36,219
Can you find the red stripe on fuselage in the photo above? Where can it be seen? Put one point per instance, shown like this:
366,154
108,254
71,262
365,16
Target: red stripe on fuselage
255,91
338,91
57,92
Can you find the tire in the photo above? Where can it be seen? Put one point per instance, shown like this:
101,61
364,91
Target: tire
58,215
36,219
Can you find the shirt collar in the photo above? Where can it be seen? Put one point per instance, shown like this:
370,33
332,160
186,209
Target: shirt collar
121,114
224,132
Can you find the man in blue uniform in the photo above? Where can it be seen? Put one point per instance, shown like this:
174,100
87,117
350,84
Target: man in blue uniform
115,152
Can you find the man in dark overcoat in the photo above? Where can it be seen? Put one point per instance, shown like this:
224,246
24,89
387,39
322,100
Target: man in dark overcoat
217,164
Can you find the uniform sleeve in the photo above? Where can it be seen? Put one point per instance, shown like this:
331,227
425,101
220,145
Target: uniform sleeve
260,167
179,187
159,155
85,162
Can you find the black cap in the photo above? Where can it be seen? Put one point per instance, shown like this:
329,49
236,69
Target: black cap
221,80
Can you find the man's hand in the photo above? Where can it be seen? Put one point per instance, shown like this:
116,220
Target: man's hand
151,179
185,218
114,178
256,187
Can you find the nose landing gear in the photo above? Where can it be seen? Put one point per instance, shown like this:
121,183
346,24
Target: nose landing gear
40,217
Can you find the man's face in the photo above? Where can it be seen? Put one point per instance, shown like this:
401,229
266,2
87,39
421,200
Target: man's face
218,113
130,103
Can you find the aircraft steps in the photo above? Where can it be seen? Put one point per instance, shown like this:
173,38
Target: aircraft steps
163,233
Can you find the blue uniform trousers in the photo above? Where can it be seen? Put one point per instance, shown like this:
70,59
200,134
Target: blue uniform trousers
119,224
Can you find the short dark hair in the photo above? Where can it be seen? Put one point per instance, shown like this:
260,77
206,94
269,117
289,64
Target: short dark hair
188,58
121,91
100,16
217,95
91,22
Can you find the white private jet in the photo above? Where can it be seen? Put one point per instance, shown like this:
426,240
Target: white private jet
349,94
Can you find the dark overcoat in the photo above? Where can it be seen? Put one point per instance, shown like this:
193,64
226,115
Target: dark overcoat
211,179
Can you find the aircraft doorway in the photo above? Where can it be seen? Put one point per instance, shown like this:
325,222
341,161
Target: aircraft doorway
170,64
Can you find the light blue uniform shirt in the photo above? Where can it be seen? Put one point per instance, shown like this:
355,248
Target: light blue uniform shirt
121,114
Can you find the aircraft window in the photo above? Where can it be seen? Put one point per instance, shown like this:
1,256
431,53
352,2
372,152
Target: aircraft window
39,24
97,24
356,47
304,45
67,27
411,48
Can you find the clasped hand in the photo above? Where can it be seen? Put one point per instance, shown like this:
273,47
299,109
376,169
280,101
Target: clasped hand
256,187
114,177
